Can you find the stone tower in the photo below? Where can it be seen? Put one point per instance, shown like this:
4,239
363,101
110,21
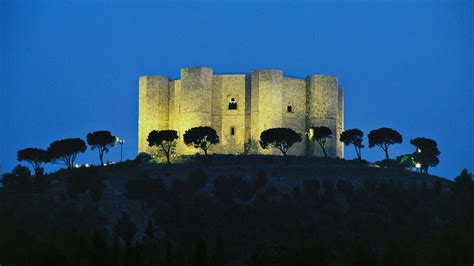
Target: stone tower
240,106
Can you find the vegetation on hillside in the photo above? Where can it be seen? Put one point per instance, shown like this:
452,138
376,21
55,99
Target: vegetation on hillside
211,217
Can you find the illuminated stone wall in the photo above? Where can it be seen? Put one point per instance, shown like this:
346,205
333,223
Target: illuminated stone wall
322,106
264,98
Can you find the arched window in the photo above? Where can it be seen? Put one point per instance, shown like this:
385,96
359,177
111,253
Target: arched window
232,131
232,104
289,108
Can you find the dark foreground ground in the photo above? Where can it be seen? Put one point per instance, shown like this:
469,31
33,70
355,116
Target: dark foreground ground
237,210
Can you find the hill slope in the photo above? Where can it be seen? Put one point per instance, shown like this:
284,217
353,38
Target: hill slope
240,210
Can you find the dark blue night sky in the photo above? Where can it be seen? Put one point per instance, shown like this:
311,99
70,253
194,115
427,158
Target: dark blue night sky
72,67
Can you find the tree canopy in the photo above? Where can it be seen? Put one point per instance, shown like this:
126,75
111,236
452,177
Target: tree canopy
65,151
165,139
101,140
201,137
426,153
354,137
34,156
383,138
320,135
280,138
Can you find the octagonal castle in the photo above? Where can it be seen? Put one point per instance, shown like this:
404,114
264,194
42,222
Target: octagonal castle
239,107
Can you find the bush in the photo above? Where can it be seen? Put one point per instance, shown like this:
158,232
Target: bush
311,188
145,188
223,189
143,157
19,179
198,178
260,180
244,191
82,180
273,191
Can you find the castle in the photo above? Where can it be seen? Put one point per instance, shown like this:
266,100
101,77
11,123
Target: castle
239,107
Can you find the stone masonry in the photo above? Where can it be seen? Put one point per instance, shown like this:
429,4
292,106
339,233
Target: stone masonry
240,106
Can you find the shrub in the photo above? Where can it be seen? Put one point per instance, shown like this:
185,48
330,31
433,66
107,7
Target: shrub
198,178
311,188
260,179
223,189
181,187
273,191
145,188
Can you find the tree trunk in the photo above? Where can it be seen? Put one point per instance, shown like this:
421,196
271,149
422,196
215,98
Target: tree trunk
101,157
386,157
324,150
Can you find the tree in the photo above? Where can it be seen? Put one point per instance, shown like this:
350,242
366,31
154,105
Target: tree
320,135
201,138
126,229
354,137
384,137
19,179
200,253
65,151
426,153
406,161
463,183
219,252
149,231
165,139
280,138
102,141
34,156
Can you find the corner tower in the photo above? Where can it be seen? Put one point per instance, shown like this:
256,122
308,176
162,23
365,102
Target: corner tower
153,112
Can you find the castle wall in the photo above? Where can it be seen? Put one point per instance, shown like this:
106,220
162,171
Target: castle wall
152,108
322,107
229,87
194,102
266,103
263,98
340,121
294,97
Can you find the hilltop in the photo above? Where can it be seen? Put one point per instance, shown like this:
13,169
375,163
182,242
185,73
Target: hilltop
239,210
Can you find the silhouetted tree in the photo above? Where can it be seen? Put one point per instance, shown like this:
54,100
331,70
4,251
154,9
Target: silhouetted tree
328,194
99,245
345,187
126,229
437,186
81,180
34,156
426,153
463,183
65,151
19,179
354,137
405,161
280,138
149,231
223,189
201,138
169,254
165,139
102,141
198,178
200,255
311,188
320,135
383,138
219,253
260,180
